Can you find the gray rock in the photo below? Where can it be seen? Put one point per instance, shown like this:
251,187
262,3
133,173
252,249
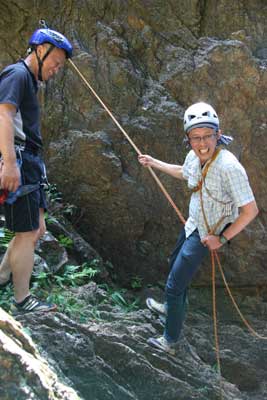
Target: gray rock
52,252
108,357
24,373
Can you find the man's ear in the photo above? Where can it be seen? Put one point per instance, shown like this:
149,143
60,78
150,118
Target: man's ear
41,50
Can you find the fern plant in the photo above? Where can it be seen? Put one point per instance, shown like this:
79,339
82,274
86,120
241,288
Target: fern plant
5,237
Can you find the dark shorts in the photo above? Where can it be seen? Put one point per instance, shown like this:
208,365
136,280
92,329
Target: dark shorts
23,215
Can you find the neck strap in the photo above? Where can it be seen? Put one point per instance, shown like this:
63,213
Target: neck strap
41,61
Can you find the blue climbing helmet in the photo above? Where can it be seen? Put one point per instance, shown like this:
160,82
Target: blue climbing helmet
56,39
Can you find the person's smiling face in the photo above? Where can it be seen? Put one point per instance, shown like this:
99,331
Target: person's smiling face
53,63
203,141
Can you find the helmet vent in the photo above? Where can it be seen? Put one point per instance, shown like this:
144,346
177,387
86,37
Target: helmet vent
191,117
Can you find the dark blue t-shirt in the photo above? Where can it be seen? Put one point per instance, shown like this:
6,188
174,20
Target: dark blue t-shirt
18,86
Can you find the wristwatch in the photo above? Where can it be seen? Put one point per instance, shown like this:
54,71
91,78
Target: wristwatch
222,239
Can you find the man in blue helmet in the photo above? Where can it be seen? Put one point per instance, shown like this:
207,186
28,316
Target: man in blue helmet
222,205
21,162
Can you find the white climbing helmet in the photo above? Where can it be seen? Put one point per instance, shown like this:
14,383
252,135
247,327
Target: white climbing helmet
200,115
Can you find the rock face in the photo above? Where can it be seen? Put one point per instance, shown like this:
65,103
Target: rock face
24,373
148,61
108,358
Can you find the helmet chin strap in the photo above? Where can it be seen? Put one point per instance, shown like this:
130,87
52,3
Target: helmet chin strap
41,61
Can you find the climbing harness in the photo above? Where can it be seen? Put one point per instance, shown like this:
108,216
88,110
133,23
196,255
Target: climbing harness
10,197
214,253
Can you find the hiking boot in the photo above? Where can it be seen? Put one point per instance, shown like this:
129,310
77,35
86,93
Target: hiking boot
31,304
162,344
156,307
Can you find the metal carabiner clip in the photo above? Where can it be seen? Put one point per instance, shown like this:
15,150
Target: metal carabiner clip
43,24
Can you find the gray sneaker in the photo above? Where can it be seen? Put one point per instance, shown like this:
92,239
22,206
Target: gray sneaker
162,344
31,304
156,307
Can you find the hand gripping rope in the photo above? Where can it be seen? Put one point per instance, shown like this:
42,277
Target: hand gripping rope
214,253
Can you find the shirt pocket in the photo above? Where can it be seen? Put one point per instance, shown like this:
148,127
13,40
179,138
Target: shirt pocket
219,201
212,191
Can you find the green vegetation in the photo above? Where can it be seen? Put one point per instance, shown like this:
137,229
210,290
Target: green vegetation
118,297
62,287
53,194
56,206
65,241
73,275
5,237
5,298
136,282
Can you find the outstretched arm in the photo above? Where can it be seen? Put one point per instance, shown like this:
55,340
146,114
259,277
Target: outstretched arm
171,169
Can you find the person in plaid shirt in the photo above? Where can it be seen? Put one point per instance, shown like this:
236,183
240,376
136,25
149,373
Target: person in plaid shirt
222,204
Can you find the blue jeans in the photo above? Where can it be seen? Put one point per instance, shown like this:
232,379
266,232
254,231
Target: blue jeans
185,260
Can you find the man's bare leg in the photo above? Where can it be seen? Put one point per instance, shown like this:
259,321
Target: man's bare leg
21,259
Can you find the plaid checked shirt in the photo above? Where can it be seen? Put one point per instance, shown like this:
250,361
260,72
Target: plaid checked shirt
226,188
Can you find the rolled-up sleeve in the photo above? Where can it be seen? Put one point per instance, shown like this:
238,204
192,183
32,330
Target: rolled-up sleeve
238,186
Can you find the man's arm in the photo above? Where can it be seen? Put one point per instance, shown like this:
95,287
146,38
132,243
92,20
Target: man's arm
171,169
9,174
247,213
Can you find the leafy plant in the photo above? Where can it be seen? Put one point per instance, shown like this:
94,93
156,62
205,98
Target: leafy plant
43,280
5,237
6,297
50,219
136,282
119,300
67,302
69,210
56,288
65,241
72,275
94,313
53,193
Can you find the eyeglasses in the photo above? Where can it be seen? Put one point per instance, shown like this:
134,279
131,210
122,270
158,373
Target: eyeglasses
206,138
